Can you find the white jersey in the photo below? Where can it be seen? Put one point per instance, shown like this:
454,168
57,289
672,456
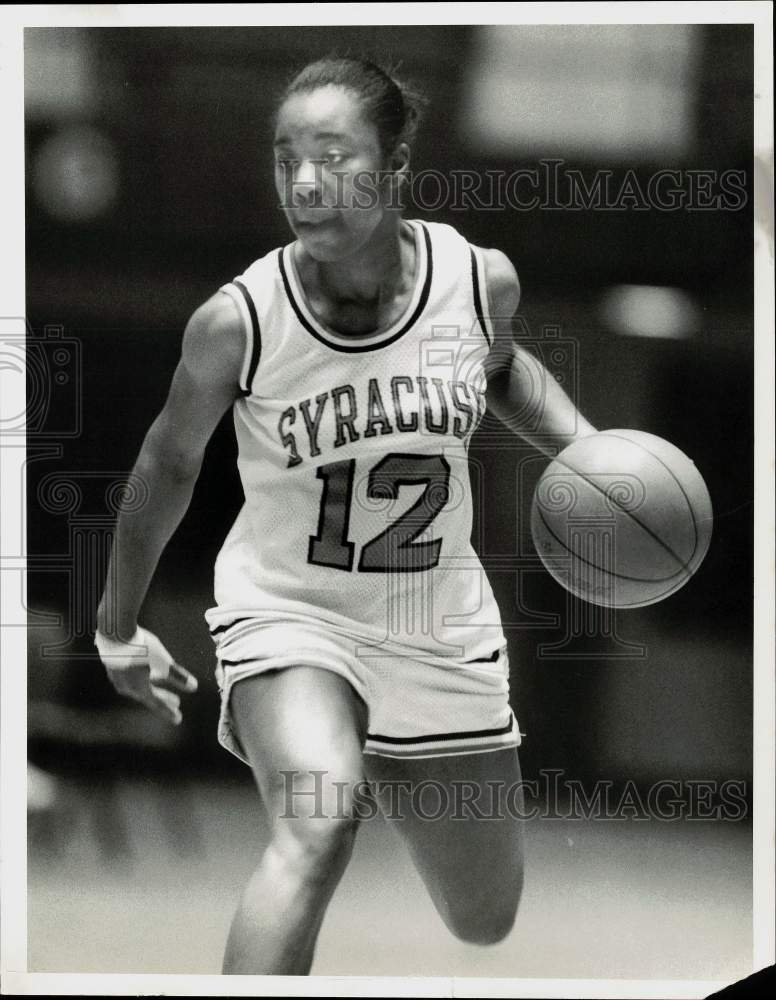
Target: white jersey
353,459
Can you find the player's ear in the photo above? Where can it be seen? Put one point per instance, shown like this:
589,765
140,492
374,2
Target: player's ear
400,160
398,172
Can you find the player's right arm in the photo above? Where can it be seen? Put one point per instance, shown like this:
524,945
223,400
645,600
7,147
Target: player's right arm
204,386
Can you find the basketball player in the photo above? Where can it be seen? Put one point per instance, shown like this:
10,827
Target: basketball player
356,633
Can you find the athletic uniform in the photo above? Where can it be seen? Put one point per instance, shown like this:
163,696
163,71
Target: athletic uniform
352,551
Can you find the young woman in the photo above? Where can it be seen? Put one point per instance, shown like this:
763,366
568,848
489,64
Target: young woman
356,633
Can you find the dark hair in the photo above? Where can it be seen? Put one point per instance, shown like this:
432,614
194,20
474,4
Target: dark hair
392,106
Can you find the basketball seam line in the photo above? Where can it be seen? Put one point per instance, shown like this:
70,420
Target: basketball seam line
644,527
608,572
670,471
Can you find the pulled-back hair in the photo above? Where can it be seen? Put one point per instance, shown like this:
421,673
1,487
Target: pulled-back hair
393,107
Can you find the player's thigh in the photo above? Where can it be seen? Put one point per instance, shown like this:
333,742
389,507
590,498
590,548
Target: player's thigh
470,856
303,730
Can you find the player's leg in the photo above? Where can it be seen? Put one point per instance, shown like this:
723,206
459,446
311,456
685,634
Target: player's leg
471,865
299,720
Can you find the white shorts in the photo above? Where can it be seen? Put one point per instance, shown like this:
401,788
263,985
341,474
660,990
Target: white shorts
419,705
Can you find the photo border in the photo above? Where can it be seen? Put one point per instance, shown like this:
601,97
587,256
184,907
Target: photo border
13,943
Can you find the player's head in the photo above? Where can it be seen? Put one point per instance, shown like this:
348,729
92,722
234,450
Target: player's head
343,131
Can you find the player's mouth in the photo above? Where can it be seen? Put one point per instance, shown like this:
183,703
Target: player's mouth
311,222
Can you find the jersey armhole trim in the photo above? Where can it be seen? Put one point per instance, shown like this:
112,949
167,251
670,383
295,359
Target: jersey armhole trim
244,301
478,287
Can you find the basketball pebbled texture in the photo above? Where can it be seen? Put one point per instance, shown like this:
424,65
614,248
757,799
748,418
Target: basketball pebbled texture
621,518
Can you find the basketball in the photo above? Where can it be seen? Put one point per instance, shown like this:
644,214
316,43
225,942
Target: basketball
621,518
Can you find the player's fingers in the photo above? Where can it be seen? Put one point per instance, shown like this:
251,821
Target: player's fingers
137,686
134,682
131,681
127,682
178,679
165,704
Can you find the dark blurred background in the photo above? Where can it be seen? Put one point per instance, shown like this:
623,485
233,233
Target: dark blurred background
148,156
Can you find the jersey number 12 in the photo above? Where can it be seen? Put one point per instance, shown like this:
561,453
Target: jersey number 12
395,548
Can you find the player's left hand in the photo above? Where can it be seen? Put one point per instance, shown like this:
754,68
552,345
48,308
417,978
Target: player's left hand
144,670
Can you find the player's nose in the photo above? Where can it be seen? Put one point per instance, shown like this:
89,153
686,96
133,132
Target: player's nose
306,185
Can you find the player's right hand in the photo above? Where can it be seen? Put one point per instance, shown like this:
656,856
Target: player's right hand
143,669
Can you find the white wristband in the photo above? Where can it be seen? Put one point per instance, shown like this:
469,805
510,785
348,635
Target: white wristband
143,647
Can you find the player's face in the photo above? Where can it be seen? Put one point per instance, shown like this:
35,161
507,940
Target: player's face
327,162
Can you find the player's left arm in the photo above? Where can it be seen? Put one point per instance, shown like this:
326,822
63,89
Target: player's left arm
521,392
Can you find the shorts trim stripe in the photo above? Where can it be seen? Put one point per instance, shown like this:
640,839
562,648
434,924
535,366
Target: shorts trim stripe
493,658
440,737
454,750
240,663
250,625
425,746
218,629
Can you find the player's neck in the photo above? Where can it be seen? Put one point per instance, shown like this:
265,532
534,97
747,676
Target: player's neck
377,272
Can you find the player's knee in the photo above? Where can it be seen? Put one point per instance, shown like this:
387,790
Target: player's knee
316,848
330,790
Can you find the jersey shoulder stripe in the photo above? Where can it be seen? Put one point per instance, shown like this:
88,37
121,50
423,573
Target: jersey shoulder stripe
478,286
253,352
243,290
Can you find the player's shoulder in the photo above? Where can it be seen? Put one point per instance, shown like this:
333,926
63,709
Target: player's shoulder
263,266
502,282
439,228
214,340
219,333
444,236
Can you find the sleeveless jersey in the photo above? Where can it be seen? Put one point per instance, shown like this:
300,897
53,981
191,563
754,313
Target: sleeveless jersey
353,460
